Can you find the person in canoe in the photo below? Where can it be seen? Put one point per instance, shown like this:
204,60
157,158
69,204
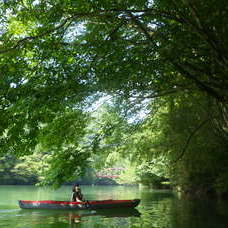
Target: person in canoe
77,195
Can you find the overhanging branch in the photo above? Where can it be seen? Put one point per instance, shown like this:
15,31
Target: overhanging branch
30,38
201,85
189,139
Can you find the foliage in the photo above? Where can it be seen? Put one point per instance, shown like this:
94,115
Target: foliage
150,173
11,171
31,166
58,58
194,151
129,177
178,141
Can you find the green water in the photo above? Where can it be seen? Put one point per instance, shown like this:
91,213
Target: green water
157,209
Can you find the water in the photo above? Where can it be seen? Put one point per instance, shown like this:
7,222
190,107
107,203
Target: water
158,209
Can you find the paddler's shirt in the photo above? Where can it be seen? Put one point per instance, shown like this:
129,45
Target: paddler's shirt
77,196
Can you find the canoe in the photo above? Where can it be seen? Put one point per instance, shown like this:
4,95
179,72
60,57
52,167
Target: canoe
92,204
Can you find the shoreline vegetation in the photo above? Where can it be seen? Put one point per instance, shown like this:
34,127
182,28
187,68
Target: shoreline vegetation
26,171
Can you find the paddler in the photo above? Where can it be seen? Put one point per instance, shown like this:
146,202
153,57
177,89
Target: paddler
77,195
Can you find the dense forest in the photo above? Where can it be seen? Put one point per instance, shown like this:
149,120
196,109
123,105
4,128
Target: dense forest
136,83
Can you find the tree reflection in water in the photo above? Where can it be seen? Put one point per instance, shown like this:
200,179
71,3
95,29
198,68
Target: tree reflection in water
74,218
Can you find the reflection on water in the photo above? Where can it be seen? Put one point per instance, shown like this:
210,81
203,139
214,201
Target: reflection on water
75,217
157,209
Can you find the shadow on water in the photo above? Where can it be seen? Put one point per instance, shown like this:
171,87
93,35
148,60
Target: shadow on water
165,209
200,213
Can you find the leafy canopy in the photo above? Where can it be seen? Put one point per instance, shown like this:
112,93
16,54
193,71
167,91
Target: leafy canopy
58,57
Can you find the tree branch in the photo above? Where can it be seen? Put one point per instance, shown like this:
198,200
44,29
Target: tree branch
189,139
115,30
161,93
30,38
201,85
143,29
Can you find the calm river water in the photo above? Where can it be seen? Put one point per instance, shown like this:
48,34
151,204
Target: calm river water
160,209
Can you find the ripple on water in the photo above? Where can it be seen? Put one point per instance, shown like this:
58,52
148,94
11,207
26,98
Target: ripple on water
8,212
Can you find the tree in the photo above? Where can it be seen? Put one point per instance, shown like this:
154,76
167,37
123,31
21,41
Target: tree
184,134
59,56
163,36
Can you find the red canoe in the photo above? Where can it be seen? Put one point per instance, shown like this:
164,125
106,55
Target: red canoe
99,204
